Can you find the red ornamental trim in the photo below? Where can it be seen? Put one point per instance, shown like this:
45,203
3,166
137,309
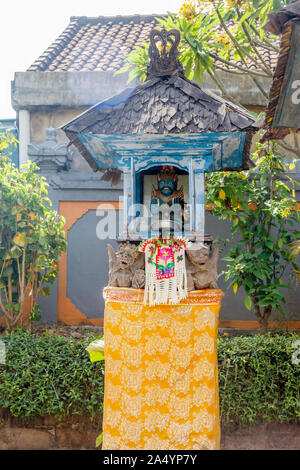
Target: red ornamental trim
150,241
145,244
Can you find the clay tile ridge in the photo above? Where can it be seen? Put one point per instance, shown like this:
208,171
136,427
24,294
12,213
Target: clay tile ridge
79,22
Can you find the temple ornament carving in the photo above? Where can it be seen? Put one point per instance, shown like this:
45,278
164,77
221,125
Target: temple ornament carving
167,202
163,53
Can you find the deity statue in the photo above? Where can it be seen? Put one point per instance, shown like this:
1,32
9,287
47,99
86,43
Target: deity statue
167,202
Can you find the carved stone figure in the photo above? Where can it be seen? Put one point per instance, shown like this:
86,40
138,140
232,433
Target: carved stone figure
138,281
202,268
167,202
51,155
125,265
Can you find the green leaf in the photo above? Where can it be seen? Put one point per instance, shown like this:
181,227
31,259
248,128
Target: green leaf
277,5
235,222
244,17
20,239
45,291
99,440
189,68
16,307
248,302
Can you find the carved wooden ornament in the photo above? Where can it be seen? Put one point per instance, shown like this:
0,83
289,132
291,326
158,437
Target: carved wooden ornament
163,53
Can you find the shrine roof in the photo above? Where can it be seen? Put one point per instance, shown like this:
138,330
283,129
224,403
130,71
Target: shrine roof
280,22
161,108
278,19
168,105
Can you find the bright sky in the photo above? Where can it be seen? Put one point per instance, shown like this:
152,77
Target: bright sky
29,27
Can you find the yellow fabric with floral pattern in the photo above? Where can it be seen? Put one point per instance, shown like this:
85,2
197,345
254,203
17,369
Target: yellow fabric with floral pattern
161,375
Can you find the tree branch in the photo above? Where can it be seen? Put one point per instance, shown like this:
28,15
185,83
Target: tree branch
238,49
266,41
266,67
239,67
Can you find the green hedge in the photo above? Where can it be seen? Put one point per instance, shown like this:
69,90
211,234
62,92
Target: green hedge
49,375
258,381
53,375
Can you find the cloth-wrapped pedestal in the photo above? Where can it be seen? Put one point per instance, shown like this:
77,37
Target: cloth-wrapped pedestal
161,374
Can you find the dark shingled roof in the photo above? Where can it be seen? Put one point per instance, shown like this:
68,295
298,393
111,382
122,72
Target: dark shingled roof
169,105
165,105
102,43
280,22
278,19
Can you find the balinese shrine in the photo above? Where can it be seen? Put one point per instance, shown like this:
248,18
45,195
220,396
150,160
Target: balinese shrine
162,302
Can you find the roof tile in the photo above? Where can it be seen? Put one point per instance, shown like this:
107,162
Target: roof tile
102,43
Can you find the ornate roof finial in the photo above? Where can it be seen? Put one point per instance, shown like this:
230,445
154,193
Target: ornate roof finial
163,53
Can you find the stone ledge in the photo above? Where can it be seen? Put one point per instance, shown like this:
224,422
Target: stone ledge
42,90
32,90
271,436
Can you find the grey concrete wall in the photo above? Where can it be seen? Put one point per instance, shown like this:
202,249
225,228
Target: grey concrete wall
44,90
87,264
32,90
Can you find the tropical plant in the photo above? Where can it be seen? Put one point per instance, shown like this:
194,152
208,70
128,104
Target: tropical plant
31,240
295,252
135,64
7,142
192,48
262,208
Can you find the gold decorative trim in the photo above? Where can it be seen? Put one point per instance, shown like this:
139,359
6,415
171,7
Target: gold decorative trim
124,294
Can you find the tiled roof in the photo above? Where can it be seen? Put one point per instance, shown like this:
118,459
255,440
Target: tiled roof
95,44
102,43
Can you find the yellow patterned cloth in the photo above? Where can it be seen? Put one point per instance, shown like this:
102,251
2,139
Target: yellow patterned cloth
161,372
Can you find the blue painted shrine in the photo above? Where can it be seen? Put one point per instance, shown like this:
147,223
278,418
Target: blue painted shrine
168,120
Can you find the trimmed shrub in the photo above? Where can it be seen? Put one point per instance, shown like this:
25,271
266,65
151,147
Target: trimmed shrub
53,375
258,380
49,375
